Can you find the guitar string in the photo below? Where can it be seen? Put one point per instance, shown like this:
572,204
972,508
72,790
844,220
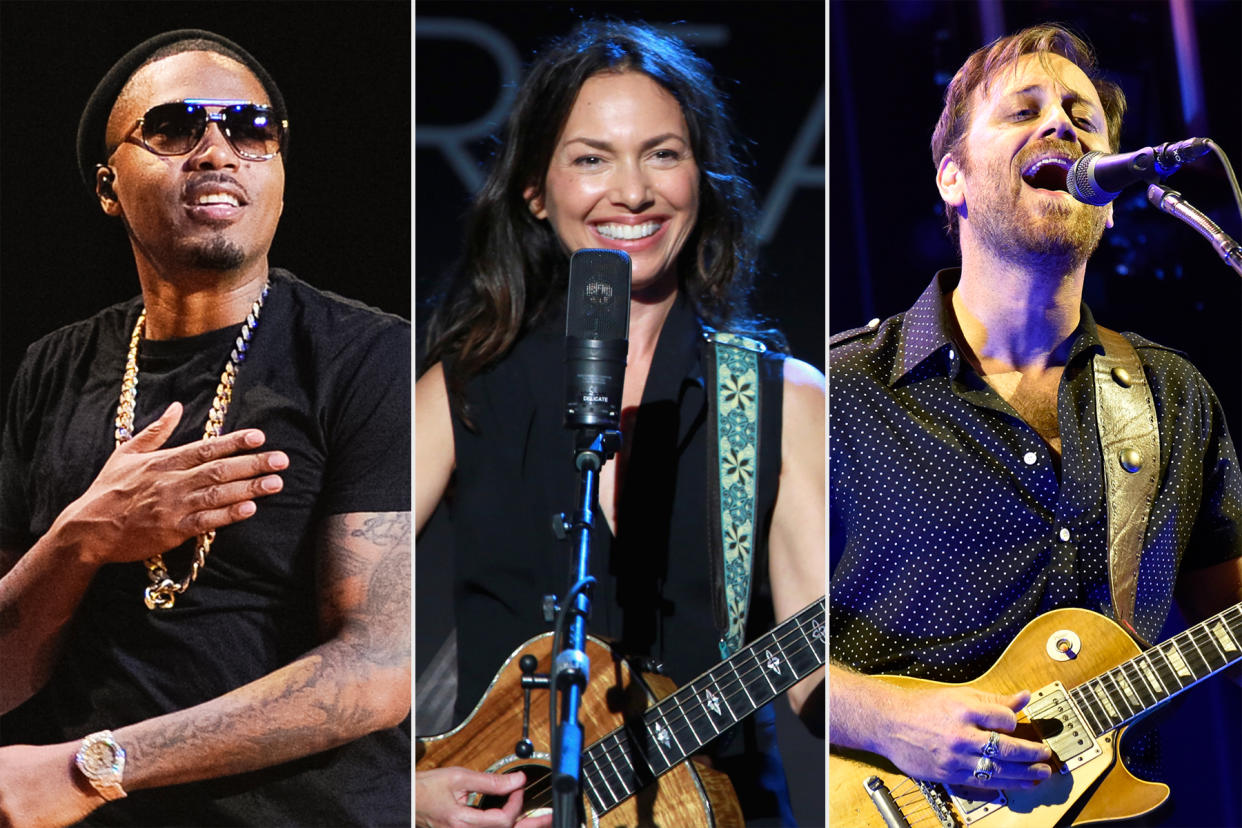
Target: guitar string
920,815
593,756
606,751
1089,692
738,679
728,687
793,646
915,796
1200,637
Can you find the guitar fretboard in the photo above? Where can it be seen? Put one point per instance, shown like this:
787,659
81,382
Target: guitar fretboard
1136,686
629,758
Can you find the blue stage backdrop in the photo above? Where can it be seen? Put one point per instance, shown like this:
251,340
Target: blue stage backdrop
889,65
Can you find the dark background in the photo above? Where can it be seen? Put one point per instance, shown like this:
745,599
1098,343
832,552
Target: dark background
889,65
769,59
344,70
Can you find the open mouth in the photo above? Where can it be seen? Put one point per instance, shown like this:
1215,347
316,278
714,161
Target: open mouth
1048,174
217,198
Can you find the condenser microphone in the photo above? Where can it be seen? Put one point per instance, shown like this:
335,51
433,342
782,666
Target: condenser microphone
597,326
1098,178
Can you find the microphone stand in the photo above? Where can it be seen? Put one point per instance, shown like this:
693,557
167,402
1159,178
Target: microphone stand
1172,202
571,668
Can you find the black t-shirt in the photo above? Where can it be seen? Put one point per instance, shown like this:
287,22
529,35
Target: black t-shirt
327,380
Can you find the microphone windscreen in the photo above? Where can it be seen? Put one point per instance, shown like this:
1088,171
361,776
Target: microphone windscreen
598,305
1081,184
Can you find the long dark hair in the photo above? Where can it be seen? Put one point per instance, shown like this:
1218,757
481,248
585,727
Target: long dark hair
514,269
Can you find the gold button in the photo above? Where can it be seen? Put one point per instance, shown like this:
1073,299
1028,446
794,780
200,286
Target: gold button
1122,377
1131,460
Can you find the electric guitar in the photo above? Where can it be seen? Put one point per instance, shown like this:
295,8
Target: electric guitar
634,770
1093,682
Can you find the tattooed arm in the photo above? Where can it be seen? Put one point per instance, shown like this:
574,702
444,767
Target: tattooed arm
356,682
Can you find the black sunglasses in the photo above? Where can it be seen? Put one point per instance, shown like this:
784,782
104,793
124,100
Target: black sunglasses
251,129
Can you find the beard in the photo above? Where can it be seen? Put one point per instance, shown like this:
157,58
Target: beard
1034,229
217,253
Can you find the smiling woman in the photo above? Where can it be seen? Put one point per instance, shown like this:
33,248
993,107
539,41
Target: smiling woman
623,176
618,140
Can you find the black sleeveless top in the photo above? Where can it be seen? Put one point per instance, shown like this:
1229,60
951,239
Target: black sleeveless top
654,591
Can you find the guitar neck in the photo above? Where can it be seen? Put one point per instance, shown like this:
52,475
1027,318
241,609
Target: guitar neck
1134,687
629,758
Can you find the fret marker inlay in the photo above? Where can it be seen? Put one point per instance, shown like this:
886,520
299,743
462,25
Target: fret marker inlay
773,662
1175,660
1150,677
1222,638
712,701
817,631
1128,690
662,735
1104,701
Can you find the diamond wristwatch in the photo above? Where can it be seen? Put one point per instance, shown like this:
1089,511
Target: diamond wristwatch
102,761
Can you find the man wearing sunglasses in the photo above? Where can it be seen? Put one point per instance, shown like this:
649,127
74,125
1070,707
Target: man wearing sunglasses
204,496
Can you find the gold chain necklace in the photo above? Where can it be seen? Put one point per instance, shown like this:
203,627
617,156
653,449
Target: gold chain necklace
163,591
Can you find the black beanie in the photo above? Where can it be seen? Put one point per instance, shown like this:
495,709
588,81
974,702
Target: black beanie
92,128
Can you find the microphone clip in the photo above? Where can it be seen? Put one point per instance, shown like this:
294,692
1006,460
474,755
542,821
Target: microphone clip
595,446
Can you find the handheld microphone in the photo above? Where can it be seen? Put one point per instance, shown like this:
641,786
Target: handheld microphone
597,325
1097,178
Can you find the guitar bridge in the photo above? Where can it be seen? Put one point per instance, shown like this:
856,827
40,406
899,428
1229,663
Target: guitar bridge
938,800
1057,722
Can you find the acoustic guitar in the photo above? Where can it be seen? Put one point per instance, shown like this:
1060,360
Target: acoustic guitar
640,732
1093,681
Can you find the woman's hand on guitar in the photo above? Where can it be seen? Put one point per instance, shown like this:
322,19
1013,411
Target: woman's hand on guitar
941,734
440,800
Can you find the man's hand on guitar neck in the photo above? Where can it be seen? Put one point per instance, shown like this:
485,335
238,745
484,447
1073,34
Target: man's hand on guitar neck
935,732
440,800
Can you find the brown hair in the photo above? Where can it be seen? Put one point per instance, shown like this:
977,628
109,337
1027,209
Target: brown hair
515,269
982,67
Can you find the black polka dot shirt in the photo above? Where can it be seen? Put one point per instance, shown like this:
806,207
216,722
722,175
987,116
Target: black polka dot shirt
950,527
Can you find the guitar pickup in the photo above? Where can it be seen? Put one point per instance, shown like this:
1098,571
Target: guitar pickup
1052,718
971,808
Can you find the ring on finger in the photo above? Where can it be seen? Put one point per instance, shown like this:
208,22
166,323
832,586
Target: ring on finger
993,746
985,768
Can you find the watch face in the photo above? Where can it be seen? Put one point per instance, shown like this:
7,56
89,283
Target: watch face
98,759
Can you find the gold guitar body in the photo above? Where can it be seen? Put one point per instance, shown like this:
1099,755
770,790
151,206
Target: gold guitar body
690,795
1096,789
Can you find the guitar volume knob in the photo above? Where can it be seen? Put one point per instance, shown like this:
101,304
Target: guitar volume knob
1063,645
